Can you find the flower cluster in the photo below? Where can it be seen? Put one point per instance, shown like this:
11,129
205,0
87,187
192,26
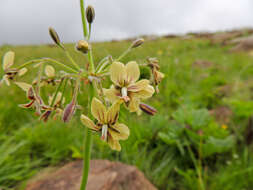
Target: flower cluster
126,90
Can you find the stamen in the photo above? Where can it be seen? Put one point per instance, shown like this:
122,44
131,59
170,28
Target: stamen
104,133
124,94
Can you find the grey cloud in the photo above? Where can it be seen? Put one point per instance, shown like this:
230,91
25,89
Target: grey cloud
27,21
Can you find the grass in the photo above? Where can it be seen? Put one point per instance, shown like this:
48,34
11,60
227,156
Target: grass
164,147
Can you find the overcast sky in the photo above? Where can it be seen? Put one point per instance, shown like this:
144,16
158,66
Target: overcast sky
27,21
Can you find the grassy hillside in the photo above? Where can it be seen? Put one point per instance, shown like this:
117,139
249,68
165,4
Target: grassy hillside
199,139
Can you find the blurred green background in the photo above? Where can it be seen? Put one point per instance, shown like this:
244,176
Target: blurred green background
200,138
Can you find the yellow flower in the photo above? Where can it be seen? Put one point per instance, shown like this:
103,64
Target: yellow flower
107,123
126,85
224,126
10,73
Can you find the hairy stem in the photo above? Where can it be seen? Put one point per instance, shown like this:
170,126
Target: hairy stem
85,31
88,135
61,64
72,60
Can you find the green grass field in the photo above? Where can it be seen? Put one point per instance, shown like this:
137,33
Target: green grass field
183,147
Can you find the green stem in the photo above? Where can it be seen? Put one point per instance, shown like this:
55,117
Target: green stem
39,79
88,135
90,57
61,64
29,63
85,31
89,32
56,92
201,183
63,91
86,159
87,144
124,54
72,60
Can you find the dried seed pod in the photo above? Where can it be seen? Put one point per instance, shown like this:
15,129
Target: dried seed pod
54,36
90,14
45,116
82,46
137,43
147,109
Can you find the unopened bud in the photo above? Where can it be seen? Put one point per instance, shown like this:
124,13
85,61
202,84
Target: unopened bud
69,112
137,43
54,36
90,14
147,109
82,46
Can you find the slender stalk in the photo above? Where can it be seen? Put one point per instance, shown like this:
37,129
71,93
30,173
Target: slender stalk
90,57
29,63
86,159
195,162
63,91
39,79
85,31
72,60
88,135
61,64
56,92
89,32
124,54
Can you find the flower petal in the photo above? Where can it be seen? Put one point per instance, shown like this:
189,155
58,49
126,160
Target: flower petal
89,123
145,93
50,71
112,94
8,60
98,110
28,105
22,71
113,113
119,131
134,104
114,144
24,86
142,84
132,72
118,73
6,80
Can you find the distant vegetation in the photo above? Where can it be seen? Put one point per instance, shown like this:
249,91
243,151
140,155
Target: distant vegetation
200,138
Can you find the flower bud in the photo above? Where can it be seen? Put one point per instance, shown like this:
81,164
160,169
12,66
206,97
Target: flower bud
54,36
69,112
147,109
90,14
82,46
137,43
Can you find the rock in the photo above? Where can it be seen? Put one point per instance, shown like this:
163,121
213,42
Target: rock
224,37
202,63
240,39
243,44
104,175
